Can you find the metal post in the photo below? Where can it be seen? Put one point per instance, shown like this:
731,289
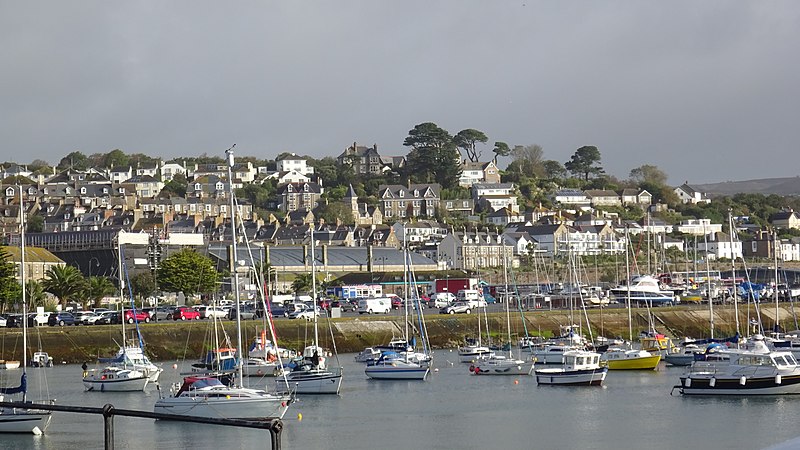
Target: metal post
108,422
275,433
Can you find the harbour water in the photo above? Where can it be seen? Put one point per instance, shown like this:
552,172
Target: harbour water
453,409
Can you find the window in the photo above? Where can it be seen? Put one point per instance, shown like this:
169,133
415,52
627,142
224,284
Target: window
197,187
402,194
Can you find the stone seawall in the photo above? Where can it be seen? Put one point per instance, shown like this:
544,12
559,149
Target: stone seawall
170,341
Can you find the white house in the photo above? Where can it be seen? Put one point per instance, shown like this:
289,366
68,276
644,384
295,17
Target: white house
789,250
719,246
494,196
571,197
688,194
296,164
698,227
504,216
169,170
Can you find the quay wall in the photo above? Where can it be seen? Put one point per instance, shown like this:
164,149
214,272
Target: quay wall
176,341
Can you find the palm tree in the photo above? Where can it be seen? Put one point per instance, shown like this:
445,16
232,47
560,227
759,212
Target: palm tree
36,294
95,289
65,282
302,283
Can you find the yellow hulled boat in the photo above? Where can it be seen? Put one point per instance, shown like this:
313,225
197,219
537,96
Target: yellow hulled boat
622,359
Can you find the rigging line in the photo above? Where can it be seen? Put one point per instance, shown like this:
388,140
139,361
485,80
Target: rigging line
133,303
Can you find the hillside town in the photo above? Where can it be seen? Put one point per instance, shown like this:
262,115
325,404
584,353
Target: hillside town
477,217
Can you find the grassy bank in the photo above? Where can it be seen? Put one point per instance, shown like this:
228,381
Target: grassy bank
171,341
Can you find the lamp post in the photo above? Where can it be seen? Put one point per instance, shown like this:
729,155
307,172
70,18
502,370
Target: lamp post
97,264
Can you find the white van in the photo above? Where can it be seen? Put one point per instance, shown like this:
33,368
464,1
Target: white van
472,297
442,299
374,305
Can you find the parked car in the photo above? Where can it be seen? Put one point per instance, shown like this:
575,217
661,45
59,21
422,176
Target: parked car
278,310
442,299
185,313
37,320
307,313
375,305
14,320
162,313
397,302
3,321
61,319
324,303
456,308
103,318
344,305
245,313
135,315
209,312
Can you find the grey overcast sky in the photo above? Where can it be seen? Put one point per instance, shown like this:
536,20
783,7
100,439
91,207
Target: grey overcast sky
707,91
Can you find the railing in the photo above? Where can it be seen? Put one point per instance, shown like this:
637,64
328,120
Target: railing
274,425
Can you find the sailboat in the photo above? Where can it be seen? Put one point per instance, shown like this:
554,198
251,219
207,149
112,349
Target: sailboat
619,358
311,375
22,420
123,374
405,365
204,396
501,364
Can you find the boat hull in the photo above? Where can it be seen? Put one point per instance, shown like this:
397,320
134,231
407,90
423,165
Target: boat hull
15,420
679,360
638,363
581,377
312,383
223,408
506,367
381,372
789,385
117,385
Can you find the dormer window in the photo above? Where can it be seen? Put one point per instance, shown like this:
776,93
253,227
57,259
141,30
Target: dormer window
289,188
121,190
416,192
105,190
220,186
83,190
305,188
67,190
402,193
197,187
66,216
10,192
45,191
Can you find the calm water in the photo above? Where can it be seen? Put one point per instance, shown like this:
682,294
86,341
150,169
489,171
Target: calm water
450,410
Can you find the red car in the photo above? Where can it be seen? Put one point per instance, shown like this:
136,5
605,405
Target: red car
132,316
397,302
186,313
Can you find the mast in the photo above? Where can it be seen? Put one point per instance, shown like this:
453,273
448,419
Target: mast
708,282
24,294
775,252
405,287
508,300
628,284
314,288
733,272
239,354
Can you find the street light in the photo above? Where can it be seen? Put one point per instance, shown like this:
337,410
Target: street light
97,264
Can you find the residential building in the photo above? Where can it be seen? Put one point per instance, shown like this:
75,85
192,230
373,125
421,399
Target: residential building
144,186
785,220
602,197
698,227
170,170
296,164
493,196
367,160
719,245
460,207
571,197
363,214
504,216
299,196
475,250
419,232
119,174
688,194
416,200
478,172
636,197
37,261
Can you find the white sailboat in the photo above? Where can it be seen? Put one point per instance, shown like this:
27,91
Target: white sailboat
121,374
312,375
405,365
501,364
201,396
22,420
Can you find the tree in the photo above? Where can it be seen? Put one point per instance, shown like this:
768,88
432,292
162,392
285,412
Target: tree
648,174
302,283
65,282
35,224
554,169
143,284
176,186
433,155
467,141
334,212
35,294
500,149
10,289
585,162
75,160
527,160
115,158
189,272
95,289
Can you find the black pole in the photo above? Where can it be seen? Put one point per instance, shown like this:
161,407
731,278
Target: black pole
108,422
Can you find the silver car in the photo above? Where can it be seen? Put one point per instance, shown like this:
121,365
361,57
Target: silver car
457,308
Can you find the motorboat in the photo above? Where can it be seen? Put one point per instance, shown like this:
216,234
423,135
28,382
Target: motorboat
8,364
208,397
758,371
551,353
685,356
368,354
311,375
473,352
630,359
41,359
501,365
391,366
644,289
657,343
581,368
259,367
115,379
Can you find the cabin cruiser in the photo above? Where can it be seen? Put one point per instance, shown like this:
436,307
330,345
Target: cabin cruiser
392,366
644,289
685,356
630,359
207,397
501,365
758,371
580,368
115,379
